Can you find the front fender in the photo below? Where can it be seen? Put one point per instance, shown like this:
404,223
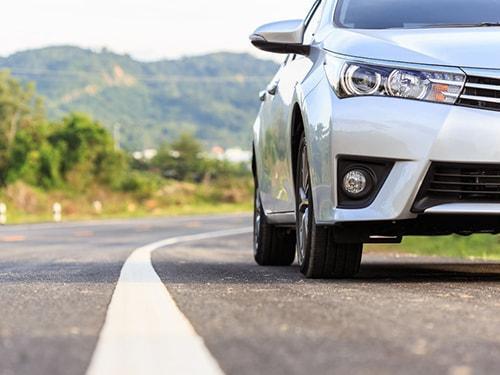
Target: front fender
316,113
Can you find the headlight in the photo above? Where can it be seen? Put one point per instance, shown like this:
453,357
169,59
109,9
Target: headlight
356,78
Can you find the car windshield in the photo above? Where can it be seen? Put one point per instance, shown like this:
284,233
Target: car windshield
387,14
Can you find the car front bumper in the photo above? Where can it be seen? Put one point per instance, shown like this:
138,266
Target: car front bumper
411,133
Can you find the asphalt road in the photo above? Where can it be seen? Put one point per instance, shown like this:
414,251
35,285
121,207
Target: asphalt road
401,315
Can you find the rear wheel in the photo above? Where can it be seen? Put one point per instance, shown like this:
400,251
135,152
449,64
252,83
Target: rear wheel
318,254
273,245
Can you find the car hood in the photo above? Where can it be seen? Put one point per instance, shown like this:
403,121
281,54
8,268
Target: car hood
461,47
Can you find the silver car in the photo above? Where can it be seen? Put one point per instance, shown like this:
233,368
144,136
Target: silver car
382,122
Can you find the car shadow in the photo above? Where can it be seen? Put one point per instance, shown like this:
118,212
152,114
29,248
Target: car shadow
386,272
429,272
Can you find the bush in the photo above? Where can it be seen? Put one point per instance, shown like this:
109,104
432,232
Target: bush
182,160
142,185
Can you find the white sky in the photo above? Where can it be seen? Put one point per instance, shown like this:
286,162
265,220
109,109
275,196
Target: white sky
147,29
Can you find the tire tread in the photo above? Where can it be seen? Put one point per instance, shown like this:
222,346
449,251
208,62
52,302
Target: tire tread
277,247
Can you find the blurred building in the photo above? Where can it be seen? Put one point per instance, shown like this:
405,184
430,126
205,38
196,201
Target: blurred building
147,154
233,155
237,155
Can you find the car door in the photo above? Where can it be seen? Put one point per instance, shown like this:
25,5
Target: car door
277,186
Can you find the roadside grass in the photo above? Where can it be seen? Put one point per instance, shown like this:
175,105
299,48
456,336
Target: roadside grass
30,205
472,247
187,210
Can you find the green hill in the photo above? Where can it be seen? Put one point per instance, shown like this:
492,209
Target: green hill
213,96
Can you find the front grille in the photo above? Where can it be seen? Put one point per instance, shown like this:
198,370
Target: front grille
450,183
481,92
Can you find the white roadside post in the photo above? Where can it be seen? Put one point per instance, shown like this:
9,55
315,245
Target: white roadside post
97,207
57,212
3,214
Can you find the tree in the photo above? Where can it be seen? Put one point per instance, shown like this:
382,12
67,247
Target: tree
89,153
20,108
181,159
33,159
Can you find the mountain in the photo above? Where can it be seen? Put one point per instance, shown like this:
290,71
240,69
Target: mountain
213,96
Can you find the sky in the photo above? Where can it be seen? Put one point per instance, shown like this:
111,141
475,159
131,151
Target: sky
146,29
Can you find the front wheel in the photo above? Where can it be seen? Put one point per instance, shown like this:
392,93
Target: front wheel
319,255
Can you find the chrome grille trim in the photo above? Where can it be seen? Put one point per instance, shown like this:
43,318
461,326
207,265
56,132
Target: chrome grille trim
480,98
483,86
481,92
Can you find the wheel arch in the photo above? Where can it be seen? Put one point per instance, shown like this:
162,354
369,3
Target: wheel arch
254,162
297,128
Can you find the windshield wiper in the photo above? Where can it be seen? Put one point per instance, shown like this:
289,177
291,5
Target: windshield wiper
489,24
480,24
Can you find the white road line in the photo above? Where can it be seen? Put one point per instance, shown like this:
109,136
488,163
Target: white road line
144,331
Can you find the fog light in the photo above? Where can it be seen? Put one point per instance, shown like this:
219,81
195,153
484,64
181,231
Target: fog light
357,183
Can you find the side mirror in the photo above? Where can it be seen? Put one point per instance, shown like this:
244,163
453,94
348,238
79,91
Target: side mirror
281,37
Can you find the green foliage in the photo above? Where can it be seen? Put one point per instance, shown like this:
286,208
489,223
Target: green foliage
78,156
477,246
214,96
183,160
180,159
32,159
20,109
142,185
88,150
74,153
222,170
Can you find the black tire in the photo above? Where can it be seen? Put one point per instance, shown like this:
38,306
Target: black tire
273,246
319,256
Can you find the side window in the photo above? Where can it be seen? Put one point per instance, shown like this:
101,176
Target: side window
313,22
